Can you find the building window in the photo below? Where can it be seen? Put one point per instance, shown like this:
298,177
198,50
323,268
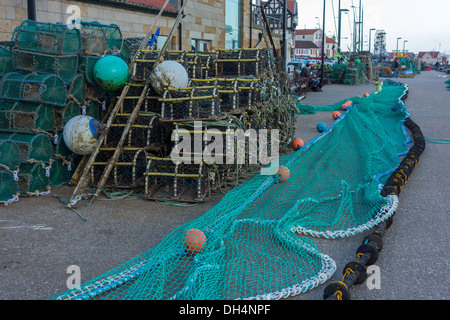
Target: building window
200,45
232,24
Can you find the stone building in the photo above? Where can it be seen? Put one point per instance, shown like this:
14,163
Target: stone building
207,24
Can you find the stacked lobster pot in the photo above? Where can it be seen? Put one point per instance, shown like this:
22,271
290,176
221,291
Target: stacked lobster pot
46,78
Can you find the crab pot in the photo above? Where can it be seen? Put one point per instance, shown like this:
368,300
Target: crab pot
6,61
63,115
65,66
100,39
9,188
26,117
31,87
166,180
195,103
86,67
128,171
47,37
78,89
33,178
37,147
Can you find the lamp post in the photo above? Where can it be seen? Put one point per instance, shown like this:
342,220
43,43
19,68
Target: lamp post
339,24
397,43
323,43
404,41
370,37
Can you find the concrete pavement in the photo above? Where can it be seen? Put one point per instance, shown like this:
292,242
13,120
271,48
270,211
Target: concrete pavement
40,238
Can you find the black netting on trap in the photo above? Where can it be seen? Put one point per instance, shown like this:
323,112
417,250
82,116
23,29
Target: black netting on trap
190,104
167,180
240,62
100,39
26,117
32,87
143,66
47,37
65,66
201,65
6,64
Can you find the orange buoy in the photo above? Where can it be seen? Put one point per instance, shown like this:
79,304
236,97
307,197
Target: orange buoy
194,240
344,106
366,94
336,115
297,143
283,173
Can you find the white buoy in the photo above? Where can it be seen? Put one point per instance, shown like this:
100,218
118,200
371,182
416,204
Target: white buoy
81,133
168,74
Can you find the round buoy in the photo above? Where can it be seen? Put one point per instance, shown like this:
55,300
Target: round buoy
194,240
336,115
297,143
321,127
366,94
81,133
282,173
168,74
345,105
111,73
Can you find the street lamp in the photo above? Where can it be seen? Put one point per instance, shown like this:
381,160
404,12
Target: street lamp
397,44
370,37
404,45
323,43
339,27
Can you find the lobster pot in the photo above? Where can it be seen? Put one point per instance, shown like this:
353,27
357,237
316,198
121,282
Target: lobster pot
6,62
33,179
166,180
62,115
60,172
248,93
26,117
86,67
9,187
47,37
127,172
229,95
49,89
37,147
94,109
195,103
143,66
65,66
60,148
200,65
240,62
78,89
129,48
100,39
9,153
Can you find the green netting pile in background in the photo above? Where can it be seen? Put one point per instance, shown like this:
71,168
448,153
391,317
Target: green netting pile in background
448,85
349,74
254,238
45,80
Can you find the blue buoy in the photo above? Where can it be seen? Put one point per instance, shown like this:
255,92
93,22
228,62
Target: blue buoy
321,127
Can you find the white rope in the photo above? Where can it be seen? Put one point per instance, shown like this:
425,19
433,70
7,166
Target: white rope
24,225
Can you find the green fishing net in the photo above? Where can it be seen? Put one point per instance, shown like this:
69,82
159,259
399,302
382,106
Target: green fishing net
255,243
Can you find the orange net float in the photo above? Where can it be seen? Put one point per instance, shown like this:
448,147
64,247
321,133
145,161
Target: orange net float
194,240
336,115
297,143
283,173
345,105
366,94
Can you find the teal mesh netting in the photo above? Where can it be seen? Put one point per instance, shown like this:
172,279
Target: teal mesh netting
257,240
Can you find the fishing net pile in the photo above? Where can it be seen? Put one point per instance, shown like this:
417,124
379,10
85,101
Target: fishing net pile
257,241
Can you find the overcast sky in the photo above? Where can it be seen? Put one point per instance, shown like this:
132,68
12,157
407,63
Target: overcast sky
424,23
